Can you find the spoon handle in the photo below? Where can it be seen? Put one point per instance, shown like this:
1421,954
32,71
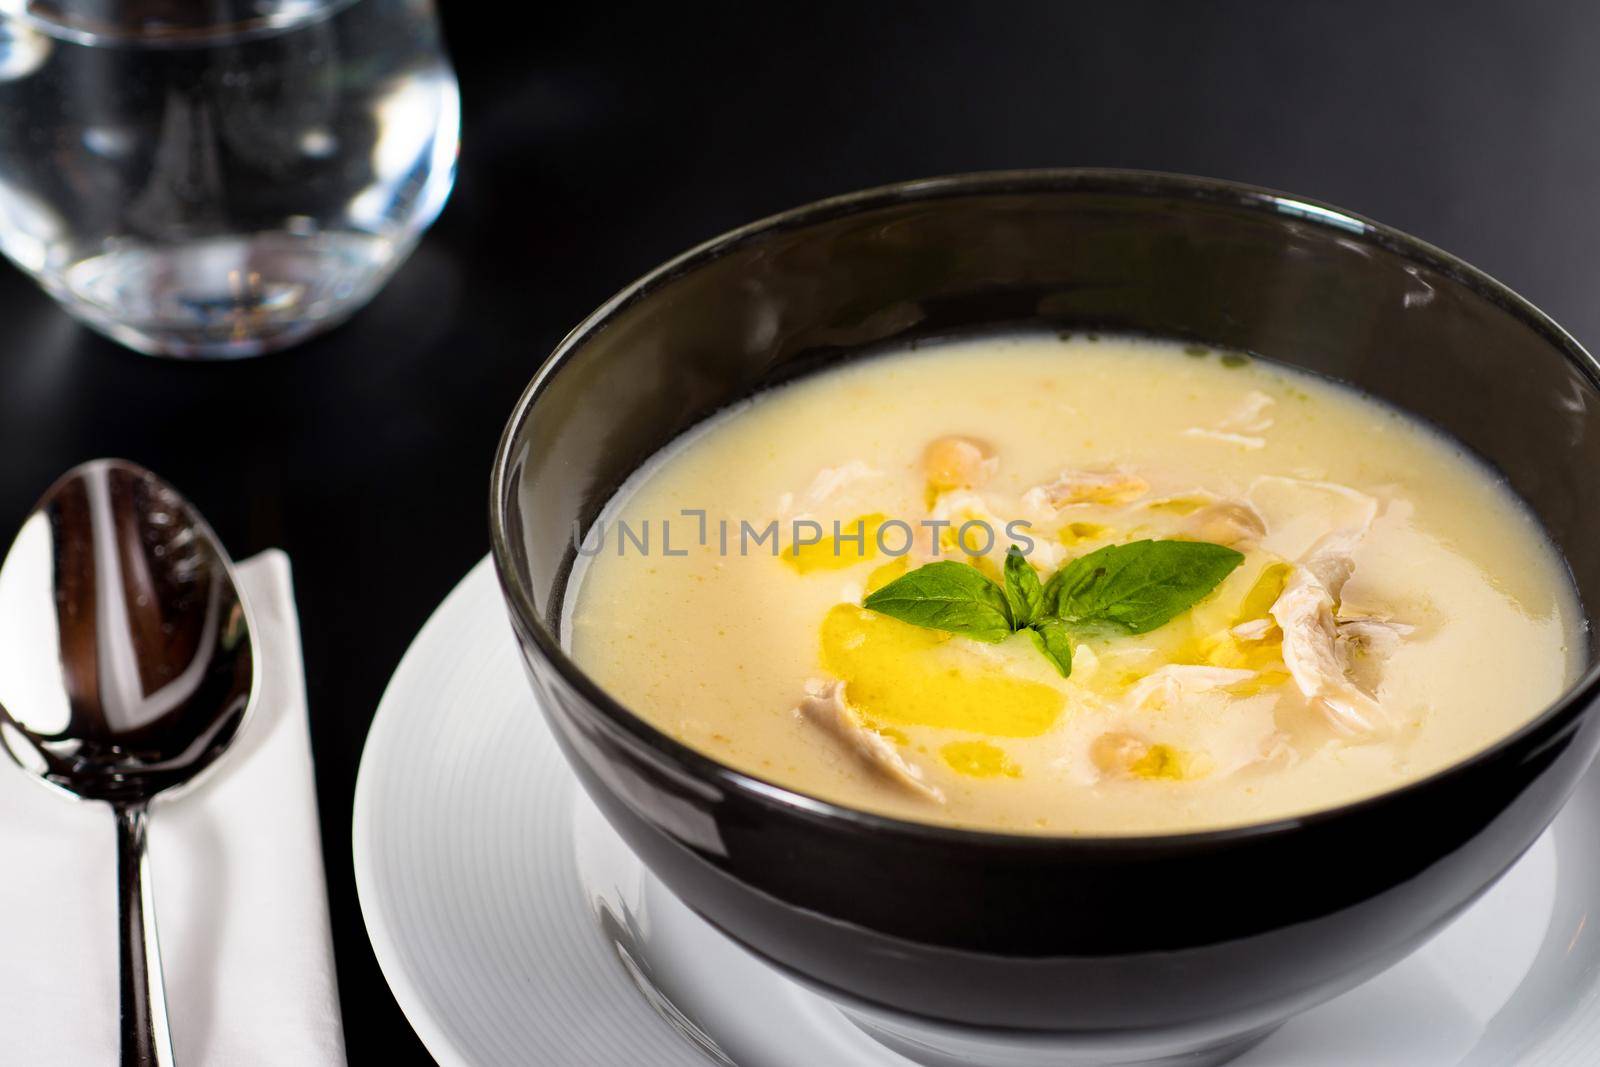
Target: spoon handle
146,1041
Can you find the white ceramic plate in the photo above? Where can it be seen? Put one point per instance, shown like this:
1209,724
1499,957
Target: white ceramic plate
516,928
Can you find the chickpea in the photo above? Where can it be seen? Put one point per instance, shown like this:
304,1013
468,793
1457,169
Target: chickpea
1227,524
956,462
1116,752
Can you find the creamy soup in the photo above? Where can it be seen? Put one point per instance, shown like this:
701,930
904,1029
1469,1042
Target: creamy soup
1074,586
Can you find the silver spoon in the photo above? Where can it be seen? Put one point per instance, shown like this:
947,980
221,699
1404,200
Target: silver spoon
134,671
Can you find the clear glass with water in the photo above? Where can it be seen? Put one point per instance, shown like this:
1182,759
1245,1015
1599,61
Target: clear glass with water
217,178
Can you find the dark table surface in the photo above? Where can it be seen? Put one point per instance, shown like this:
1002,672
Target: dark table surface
599,140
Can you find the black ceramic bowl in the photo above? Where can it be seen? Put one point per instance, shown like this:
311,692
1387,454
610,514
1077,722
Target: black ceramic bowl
964,946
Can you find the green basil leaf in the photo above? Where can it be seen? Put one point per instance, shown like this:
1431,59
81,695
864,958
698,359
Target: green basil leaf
948,596
1051,637
1023,592
1139,586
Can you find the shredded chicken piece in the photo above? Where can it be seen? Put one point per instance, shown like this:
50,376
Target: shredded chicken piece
1242,426
1367,643
1243,440
1316,643
1171,682
830,480
1254,630
1320,524
1084,663
1278,748
1213,735
1299,514
828,483
824,705
1227,522
1374,636
1250,416
1088,487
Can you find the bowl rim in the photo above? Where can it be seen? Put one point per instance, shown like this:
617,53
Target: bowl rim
696,765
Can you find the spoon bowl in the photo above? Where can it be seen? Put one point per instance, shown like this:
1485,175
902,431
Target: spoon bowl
129,670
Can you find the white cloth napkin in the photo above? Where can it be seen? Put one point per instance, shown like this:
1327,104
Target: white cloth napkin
241,904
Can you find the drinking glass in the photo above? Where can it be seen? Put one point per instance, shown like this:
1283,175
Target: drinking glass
217,178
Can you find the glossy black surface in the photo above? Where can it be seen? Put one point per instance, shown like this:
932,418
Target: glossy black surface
1222,932
597,141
